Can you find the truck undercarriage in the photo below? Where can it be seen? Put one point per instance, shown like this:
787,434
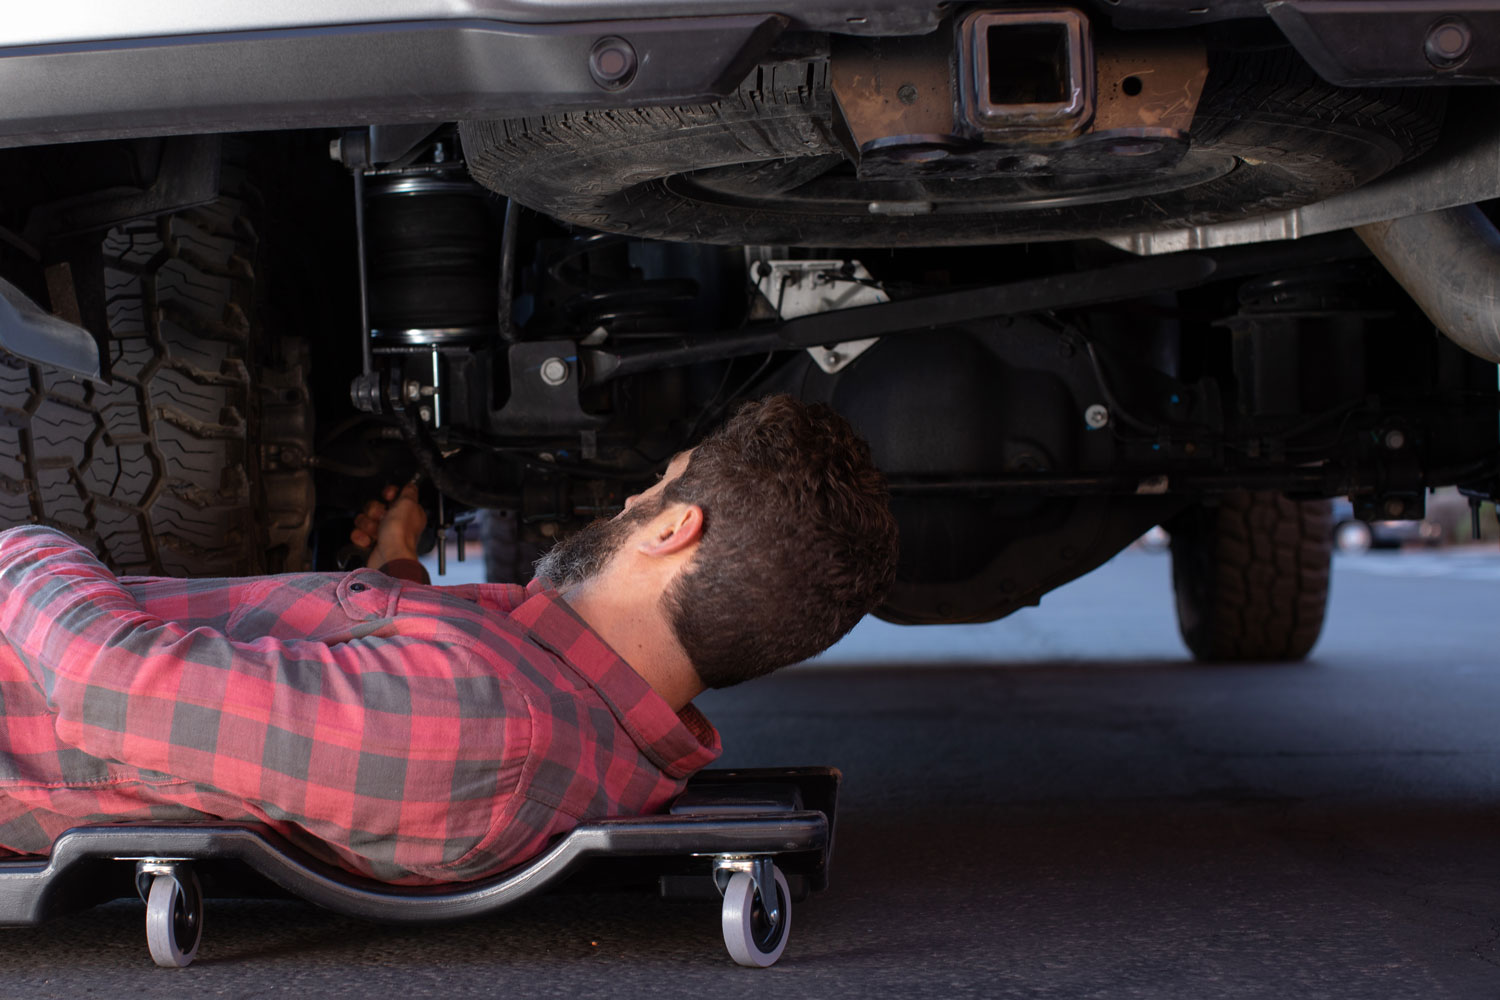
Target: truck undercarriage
1073,272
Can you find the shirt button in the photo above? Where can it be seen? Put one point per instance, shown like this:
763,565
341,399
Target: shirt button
356,587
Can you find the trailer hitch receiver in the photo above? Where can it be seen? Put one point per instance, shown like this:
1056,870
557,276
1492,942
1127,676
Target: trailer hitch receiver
1026,74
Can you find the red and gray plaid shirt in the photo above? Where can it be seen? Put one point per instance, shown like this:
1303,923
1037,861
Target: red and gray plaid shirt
405,732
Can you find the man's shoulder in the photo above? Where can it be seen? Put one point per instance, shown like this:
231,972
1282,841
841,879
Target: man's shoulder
487,620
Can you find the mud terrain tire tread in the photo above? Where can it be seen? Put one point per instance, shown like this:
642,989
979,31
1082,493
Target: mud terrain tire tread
162,470
1251,576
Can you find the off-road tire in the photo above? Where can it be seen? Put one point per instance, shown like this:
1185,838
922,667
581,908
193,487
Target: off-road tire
1292,140
191,459
1251,576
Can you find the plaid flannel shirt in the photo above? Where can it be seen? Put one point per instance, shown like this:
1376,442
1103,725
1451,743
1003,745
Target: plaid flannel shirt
405,732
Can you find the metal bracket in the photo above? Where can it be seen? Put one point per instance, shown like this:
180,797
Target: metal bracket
1391,505
968,108
804,287
147,869
30,332
396,145
762,871
544,381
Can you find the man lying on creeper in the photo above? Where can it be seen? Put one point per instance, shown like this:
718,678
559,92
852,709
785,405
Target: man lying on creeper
418,734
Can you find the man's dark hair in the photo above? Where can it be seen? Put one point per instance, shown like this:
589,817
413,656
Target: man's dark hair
798,540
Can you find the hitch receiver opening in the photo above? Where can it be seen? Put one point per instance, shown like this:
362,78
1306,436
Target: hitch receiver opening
1024,72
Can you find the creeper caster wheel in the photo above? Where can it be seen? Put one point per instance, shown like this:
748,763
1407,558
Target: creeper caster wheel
174,912
757,914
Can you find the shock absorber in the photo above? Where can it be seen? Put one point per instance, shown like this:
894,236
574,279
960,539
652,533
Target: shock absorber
429,249
428,252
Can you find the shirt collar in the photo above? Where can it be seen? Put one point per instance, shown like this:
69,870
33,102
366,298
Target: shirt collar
679,743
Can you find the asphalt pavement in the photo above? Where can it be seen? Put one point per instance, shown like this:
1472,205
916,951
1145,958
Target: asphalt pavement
1057,805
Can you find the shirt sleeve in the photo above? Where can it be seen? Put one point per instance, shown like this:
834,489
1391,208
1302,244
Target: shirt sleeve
323,736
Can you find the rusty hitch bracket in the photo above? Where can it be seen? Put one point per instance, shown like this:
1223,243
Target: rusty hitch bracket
1015,91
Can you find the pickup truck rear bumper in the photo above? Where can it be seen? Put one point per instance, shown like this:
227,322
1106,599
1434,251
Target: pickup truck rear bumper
99,69
422,71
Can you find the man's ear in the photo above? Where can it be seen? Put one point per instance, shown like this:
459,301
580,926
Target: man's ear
676,529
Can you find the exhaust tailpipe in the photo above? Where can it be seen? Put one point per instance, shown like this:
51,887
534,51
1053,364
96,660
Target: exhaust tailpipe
1449,263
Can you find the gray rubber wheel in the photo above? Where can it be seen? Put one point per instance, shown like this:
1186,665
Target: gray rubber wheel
1251,576
174,921
192,459
751,938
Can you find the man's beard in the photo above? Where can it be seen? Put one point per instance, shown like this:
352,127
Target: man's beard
584,553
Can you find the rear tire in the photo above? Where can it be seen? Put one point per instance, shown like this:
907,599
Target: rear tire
192,459
1251,576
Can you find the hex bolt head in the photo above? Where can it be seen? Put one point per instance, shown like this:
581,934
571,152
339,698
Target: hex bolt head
1448,43
612,62
425,413
1096,416
1395,439
554,371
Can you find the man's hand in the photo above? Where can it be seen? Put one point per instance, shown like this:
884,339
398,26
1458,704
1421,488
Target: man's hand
392,530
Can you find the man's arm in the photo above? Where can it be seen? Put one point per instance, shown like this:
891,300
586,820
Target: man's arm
287,724
391,533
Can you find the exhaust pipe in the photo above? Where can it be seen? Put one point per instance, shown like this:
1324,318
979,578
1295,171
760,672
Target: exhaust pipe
1449,263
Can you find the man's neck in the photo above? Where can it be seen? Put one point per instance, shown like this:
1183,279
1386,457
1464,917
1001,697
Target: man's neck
636,629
